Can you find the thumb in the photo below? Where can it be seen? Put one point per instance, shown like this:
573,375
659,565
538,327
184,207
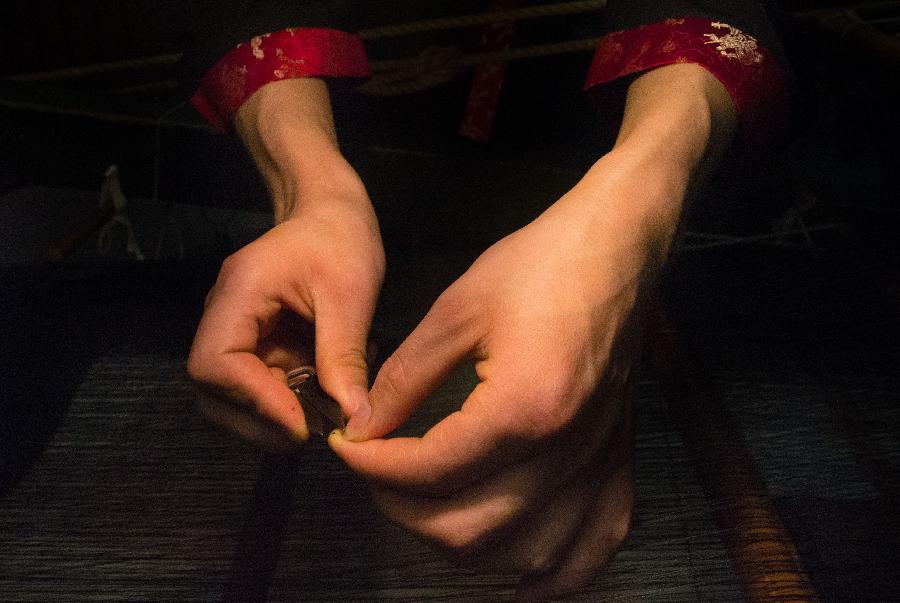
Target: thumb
341,366
416,368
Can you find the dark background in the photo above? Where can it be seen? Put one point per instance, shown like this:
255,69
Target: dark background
784,291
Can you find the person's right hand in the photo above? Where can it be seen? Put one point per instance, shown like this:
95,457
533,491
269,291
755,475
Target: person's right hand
304,292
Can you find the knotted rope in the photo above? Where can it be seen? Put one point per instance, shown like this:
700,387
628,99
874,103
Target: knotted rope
436,66
433,67
494,16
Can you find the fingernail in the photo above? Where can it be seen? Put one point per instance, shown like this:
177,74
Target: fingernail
298,433
336,434
359,416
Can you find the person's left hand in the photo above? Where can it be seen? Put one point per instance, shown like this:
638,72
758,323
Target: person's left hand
534,473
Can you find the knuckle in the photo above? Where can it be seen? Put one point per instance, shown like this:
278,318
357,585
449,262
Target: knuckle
209,297
393,374
450,305
353,358
542,562
231,264
240,267
459,543
458,540
548,411
368,269
198,367
618,533
620,525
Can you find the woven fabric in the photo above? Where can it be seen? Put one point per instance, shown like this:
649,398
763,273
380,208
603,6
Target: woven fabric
283,55
754,79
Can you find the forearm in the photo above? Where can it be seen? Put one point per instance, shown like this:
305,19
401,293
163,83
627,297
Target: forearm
678,118
678,122
625,211
289,131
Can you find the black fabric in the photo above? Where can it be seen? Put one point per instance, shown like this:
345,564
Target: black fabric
218,26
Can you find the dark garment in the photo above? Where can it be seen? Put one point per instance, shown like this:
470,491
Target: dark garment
219,26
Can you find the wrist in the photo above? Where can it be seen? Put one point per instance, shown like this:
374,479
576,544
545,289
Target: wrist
679,120
332,187
617,218
633,196
288,129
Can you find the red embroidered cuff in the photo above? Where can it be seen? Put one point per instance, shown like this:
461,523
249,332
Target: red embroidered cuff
286,54
755,80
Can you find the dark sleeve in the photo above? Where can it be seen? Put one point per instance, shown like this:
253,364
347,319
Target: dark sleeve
738,41
240,45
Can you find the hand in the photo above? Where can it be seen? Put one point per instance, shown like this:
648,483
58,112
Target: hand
304,291
534,473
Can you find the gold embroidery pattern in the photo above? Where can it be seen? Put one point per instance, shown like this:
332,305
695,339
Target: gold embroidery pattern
288,67
256,46
735,44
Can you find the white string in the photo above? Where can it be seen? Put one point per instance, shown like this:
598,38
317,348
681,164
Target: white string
104,237
112,198
770,237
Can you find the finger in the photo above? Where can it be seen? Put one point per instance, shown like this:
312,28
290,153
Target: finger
491,431
466,522
538,540
463,448
245,425
601,535
207,299
541,544
224,362
342,331
606,520
506,520
279,373
444,337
